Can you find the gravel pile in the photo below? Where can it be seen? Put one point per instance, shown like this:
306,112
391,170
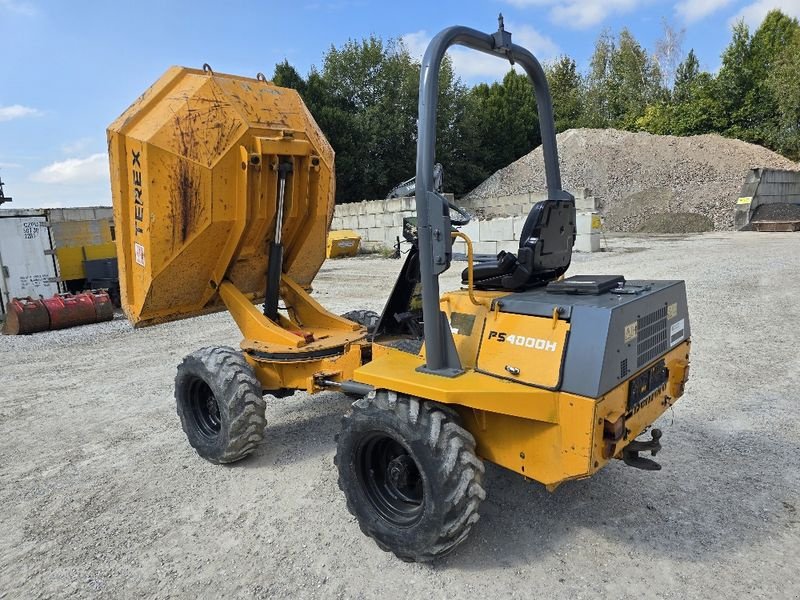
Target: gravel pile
635,176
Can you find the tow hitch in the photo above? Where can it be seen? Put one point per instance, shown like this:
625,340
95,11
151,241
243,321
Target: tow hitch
630,454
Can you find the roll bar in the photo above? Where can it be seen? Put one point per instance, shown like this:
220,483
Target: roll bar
433,216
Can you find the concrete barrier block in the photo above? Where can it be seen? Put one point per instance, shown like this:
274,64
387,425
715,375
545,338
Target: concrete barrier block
585,203
496,230
409,203
394,205
375,234
484,247
371,246
510,246
519,199
367,221
587,242
373,207
588,222
471,230
518,223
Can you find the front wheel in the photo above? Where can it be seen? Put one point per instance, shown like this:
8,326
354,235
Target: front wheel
220,404
410,475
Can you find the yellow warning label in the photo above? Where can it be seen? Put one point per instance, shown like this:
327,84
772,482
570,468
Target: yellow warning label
596,222
631,331
744,200
672,311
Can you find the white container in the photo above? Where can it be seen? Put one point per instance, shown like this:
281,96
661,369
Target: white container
27,267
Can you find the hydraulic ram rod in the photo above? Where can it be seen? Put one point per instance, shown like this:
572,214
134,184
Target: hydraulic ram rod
272,293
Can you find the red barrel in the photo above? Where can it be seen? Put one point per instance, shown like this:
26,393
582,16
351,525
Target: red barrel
25,315
103,307
68,310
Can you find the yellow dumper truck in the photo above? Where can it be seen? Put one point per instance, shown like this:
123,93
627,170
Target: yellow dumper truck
223,192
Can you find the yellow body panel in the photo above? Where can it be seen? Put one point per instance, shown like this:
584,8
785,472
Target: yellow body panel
467,320
344,242
525,349
195,191
549,436
70,259
76,241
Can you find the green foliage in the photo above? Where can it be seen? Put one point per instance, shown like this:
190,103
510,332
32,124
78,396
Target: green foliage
783,81
623,80
503,117
685,77
365,98
568,91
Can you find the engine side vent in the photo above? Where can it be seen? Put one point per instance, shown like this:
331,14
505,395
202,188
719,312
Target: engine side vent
653,336
623,368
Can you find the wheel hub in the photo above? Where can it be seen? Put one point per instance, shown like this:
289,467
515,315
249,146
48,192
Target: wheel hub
398,471
391,479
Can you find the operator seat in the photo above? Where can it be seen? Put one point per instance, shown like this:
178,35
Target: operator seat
545,250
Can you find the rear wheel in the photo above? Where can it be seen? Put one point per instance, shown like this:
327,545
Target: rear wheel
410,475
220,404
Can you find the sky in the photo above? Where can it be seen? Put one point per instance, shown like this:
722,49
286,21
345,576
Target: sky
69,68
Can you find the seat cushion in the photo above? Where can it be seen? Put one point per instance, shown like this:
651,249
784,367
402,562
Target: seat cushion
490,269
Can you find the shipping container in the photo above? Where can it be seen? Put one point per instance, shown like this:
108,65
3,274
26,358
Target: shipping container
83,238
27,264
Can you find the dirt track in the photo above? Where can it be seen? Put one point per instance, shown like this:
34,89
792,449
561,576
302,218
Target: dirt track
102,496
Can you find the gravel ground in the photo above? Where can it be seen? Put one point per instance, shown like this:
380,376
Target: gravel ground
636,175
102,497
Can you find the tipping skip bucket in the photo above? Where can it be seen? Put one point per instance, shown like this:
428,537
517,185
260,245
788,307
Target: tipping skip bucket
25,315
68,310
28,315
195,183
103,307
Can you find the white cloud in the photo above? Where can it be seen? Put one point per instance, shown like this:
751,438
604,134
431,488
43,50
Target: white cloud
470,64
17,111
10,165
692,11
580,14
77,146
416,42
754,13
74,170
21,8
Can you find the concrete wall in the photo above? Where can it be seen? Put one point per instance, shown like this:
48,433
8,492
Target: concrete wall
499,223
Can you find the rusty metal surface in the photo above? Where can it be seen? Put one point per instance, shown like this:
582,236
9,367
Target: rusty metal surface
776,225
194,191
24,316
103,307
70,310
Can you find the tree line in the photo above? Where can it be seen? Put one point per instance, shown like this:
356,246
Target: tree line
364,97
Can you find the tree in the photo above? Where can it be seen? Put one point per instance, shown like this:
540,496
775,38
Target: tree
668,52
505,117
784,83
598,92
685,77
285,75
623,80
568,92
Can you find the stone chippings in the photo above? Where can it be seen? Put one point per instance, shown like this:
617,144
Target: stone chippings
639,178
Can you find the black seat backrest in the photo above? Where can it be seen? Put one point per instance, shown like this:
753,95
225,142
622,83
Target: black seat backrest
549,231
545,244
